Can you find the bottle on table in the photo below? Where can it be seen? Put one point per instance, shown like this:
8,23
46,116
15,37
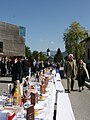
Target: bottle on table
26,90
17,94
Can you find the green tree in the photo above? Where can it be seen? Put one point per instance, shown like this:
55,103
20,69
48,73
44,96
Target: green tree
58,56
72,38
28,53
35,55
42,56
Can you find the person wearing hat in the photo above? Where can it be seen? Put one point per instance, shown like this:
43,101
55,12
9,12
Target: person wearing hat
70,71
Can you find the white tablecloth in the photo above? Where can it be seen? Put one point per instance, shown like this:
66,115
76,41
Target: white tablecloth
48,111
48,106
57,76
64,108
58,85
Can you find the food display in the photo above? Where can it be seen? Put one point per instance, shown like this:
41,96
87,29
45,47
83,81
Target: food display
36,112
34,102
42,97
34,98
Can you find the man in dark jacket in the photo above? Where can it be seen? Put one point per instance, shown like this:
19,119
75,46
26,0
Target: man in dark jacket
19,70
25,66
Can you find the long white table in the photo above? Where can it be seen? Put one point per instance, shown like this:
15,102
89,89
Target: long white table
64,108
58,84
55,94
48,112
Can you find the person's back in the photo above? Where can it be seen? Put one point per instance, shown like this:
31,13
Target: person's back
25,66
19,70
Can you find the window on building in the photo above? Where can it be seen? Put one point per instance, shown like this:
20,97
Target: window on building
88,54
1,46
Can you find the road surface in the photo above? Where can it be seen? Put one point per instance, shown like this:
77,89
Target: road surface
80,101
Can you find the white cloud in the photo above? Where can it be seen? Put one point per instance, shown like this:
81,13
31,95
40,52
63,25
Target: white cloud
52,42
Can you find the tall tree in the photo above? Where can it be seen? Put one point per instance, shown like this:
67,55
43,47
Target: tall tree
42,56
28,53
58,56
35,55
72,37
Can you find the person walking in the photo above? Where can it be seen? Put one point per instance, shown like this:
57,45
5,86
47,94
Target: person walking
25,67
14,70
82,74
58,67
19,68
70,71
14,74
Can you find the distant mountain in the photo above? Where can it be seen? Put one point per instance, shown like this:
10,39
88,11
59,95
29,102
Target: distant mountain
64,54
54,52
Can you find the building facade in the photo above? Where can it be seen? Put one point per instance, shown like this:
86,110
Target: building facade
11,42
87,52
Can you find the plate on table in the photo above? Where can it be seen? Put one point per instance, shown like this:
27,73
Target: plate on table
42,98
38,106
46,94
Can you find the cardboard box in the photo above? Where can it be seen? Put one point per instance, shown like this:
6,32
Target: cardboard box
34,98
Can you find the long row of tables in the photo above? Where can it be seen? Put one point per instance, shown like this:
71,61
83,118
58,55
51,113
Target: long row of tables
63,105
55,95
64,108
45,107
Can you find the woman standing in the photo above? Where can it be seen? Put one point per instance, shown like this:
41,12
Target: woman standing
82,74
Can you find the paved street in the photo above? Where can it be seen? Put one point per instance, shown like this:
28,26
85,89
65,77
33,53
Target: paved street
4,84
80,102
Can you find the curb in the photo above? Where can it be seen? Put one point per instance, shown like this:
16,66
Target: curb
87,84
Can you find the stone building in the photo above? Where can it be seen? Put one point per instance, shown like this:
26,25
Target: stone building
87,52
11,42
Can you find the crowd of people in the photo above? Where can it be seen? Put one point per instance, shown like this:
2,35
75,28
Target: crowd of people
15,67
19,67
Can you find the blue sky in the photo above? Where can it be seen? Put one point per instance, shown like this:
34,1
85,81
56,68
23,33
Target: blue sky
45,20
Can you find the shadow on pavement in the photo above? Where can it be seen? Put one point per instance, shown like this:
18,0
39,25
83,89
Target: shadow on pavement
66,90
2,81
